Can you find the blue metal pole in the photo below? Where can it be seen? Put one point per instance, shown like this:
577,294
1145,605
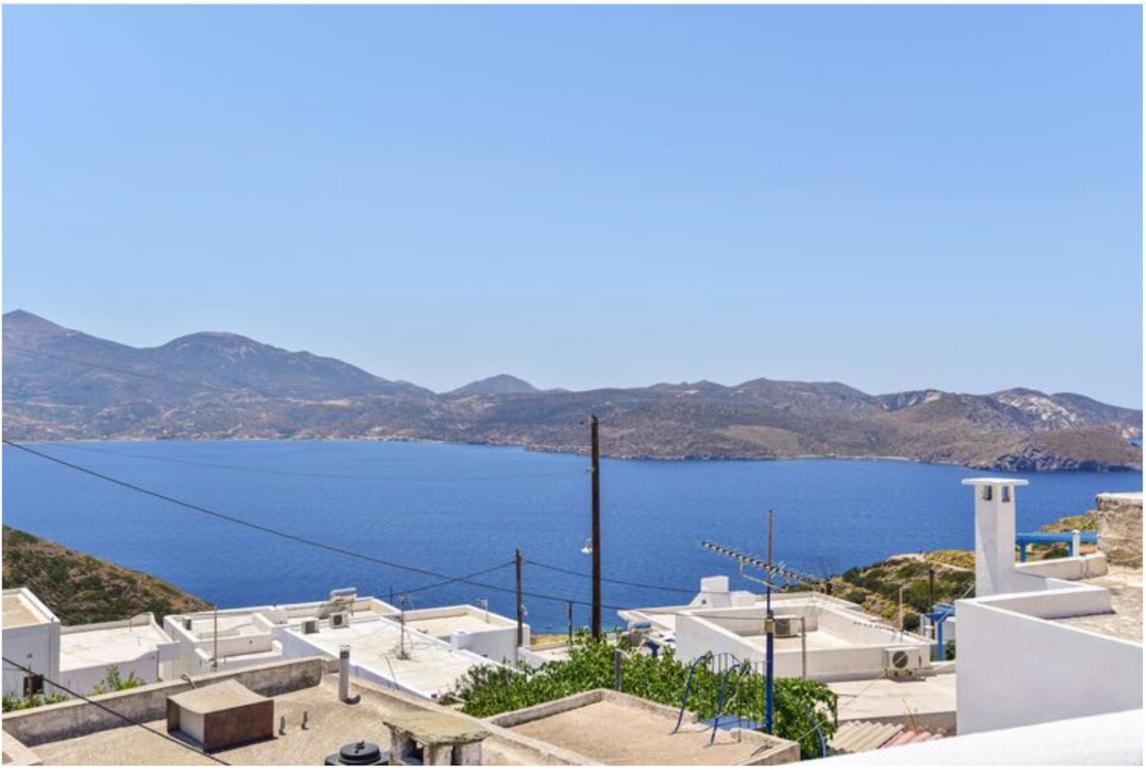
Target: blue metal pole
769,624
939,638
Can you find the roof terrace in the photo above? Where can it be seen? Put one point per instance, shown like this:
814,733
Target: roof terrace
106,644
22,608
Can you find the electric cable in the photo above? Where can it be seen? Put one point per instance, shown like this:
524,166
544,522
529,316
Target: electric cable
115,713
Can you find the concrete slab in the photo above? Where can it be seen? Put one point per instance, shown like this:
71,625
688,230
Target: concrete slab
430,666
443,627
330,724
1125,586
930,701
18,611
108,646
615,729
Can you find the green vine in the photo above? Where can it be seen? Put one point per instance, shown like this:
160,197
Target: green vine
489,690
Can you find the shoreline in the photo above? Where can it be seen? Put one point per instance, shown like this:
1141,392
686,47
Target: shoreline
576,452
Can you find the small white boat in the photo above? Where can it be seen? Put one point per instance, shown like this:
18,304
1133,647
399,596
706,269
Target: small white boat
588,547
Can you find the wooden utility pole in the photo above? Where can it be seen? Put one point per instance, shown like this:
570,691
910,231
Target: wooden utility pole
596,473
520,606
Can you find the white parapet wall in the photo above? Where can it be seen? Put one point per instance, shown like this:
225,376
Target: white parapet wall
1017,666
842,643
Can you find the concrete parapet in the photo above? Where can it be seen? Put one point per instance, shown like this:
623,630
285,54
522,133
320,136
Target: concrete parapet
76,717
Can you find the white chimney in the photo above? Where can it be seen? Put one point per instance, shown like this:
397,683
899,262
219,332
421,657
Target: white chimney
994,534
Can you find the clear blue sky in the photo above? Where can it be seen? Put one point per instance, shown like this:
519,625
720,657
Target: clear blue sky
891,197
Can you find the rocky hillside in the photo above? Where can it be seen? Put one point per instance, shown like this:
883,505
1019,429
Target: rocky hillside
82,589
63,384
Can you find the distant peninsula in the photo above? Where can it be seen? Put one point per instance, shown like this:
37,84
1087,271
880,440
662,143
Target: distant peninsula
62,384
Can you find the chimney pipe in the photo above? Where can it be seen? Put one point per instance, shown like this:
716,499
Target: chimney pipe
995,535
344,675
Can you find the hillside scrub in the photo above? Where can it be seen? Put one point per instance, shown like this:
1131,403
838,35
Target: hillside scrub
83,589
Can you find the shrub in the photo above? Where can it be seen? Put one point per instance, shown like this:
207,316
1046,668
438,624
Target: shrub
911,621
113,682
12,702
800,706
856,596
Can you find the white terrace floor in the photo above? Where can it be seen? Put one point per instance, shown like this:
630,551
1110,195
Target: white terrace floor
430,665
107,646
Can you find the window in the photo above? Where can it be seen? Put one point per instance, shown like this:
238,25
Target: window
987,492
33,685
1006,494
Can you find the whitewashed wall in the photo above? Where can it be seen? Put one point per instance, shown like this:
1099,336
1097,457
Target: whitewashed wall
1018,669
36,646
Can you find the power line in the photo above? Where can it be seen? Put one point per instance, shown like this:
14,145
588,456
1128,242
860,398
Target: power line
115,713
691,591
459,579
305,474
280,533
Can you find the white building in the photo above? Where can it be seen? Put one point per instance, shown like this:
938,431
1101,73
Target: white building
1041,641
138,648
78,657
423,652
818,636
32,639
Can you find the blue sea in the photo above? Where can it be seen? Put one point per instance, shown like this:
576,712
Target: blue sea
459,509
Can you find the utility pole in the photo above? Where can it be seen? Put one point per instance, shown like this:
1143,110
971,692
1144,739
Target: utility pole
215,634
769,632
569,613
595,454
517,587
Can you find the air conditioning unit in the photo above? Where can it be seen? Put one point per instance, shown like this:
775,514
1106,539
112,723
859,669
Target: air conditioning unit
338,620
310,626
902,662
786,626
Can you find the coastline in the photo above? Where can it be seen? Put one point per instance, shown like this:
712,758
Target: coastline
581,452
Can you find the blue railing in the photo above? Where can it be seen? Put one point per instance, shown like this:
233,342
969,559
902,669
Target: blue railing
1023,539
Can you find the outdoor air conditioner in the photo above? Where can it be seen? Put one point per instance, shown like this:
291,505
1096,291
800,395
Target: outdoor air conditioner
338,620
786,626
310,626
902,662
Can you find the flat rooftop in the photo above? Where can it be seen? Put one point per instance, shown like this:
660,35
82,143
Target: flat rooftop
330,724
891,698
616,733
442,627
430,667
231,624
816,640
108,646
1125,586
18,611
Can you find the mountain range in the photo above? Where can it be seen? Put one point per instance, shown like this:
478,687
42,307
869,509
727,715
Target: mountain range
63,384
